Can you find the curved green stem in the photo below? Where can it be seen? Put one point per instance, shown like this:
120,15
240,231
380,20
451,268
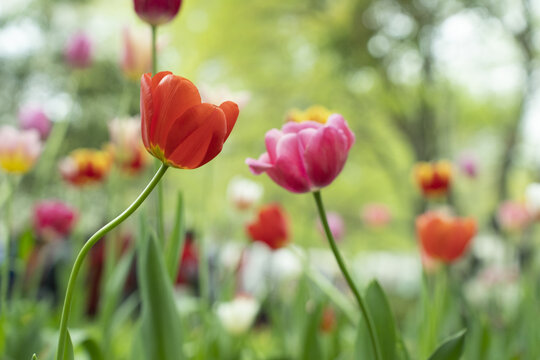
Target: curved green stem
347,276
86,248
159,202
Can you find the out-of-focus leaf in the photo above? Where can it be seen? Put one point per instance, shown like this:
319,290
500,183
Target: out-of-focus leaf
312,349
26,244
176,241
34,357
385,328
68,348
451,348
160,325
92,348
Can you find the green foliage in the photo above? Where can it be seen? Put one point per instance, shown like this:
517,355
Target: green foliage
450,349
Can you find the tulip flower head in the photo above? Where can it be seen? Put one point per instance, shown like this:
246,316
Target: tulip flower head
336,223
53,219
35,118
271,227
513,216
78,52
157,12
444,237
137,54
19,149
376,215
244,193
315,113
238,315
328,320
433,179
126,146
85,167
177,128
307,156
468,165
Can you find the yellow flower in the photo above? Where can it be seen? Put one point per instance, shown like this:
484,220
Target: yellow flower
316,113
19,149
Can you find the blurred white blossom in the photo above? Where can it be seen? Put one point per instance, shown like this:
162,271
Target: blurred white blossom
238,315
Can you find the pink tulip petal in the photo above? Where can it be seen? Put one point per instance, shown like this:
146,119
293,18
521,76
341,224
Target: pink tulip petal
259,166
271,139
337,121
294,127
325,155
289,170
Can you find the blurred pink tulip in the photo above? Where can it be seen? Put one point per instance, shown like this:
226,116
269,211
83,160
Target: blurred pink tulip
53,219
137,54
78,52
376,215
305,156
35,118
336,223
19,149
513,215
157,12
468,165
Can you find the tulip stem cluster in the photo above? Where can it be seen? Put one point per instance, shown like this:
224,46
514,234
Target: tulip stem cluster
347,276
86,248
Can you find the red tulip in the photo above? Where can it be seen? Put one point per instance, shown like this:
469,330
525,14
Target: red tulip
53,219
444,237
433,179
271,227
157,12
177,127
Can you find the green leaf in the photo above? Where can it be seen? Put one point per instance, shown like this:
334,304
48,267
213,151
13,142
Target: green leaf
92,348
385,328
312,349
451,348
176,240
34,357
68,348
160,325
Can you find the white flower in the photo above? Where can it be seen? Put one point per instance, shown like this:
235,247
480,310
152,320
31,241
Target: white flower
244,193
238,315
532,196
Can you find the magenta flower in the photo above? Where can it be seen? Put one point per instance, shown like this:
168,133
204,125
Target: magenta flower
53,219
336,223
157,12
468,165
35,118
78,51
376,215
305,156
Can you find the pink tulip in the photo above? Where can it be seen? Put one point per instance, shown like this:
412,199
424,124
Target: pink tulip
468,165
157,12
53,219
35,118
376,215
305,156
513,216
78,51
137,53
336,223
19,149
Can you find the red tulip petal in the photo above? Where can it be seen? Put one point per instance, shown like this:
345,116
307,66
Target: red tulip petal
231,114
172,96
147,108
196,137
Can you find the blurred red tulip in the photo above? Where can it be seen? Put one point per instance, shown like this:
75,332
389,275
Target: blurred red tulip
189,262
53,219
78,51
271,227
85,166
444,237
433,179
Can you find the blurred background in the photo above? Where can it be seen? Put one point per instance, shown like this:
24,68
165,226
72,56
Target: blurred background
417,81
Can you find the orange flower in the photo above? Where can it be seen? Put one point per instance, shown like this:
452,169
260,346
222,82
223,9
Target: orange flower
444,237
86,166
271,227
433,179
177,128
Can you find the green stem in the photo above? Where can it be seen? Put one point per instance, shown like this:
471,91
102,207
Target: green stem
86,248
347,276
7,250
159,201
